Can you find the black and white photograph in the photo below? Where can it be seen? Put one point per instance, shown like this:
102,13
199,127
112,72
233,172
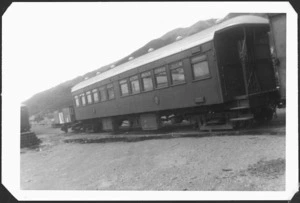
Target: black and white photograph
150,101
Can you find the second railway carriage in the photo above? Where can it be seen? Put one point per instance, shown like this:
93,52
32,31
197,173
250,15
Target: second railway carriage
25,125
278,47
218,78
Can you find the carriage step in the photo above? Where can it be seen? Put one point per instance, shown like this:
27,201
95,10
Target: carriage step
240,108
242,118
214,122
241,97
241,104
216,127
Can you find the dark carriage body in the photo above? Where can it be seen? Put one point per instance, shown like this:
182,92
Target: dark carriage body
64,117
25,125
167,97
28,138
278,44
203,74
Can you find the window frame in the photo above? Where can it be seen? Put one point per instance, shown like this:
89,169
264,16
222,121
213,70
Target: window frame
122,82
110,86
105,93
163,85
175,68
77,98
205,59
82,95
134,79
89,93
142,81
93,93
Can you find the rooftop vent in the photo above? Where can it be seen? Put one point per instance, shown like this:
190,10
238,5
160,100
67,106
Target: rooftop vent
219,20
112,66
130,58
178,38
150,49
86,78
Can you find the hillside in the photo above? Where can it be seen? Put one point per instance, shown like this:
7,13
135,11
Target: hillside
60,96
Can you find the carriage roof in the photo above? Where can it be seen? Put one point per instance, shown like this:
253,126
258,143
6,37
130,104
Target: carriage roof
175,47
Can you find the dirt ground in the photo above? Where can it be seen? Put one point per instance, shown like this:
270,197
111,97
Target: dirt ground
228,162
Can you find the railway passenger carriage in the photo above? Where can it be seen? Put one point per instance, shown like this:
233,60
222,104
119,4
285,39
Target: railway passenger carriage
218,78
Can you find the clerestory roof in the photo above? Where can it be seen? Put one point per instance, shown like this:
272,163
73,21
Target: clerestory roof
176,47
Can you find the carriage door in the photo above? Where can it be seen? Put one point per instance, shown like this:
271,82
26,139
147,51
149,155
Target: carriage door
244,60
255,56
229,64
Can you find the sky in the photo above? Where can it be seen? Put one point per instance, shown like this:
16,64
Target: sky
45,44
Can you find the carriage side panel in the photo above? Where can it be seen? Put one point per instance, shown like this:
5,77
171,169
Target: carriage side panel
191,93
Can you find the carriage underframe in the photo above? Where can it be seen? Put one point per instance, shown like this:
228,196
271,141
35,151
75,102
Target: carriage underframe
240,113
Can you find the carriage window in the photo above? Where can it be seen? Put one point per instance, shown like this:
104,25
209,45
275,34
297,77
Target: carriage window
110,91
103,96
135,85
124,87
95,95
161,77
89,97
200,67
177,72
83,99
77,101
147,81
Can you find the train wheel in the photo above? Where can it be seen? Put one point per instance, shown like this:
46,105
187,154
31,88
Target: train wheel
236,125
249,123
64,128
176,119
246,124
269,112
96,128
264,115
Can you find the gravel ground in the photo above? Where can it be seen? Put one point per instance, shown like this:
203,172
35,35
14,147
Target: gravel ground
227,162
